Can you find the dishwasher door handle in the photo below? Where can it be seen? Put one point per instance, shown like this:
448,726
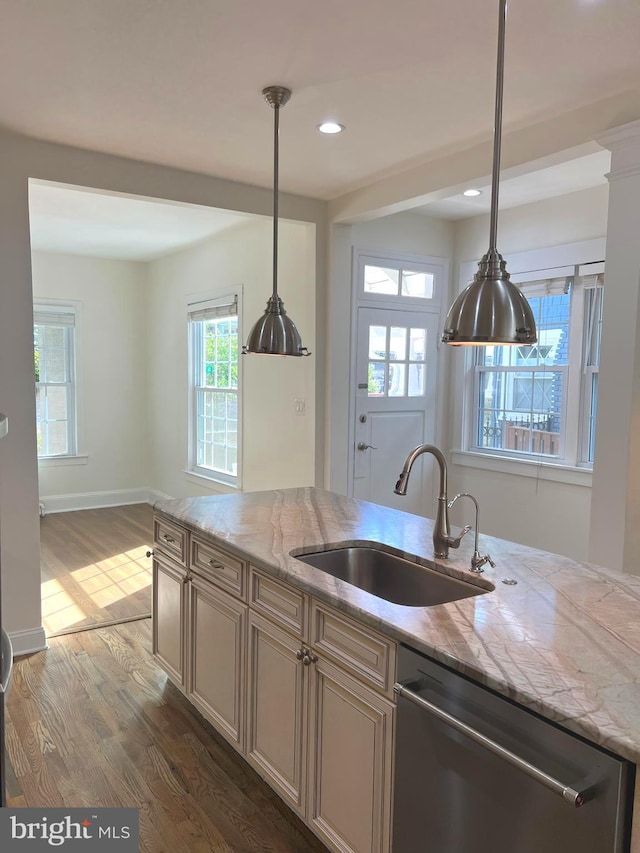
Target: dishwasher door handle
576,798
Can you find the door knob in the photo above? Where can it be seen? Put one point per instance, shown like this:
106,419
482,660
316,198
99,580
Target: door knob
363,446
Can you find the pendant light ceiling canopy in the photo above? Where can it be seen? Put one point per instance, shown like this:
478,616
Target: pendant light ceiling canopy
492,309
275,333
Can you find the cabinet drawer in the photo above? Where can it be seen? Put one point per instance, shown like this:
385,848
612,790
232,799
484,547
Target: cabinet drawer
221,568
281,603
367,654
171,539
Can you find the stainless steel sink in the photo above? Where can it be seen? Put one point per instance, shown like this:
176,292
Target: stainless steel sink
392,577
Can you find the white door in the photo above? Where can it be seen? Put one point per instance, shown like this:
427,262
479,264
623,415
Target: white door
395,405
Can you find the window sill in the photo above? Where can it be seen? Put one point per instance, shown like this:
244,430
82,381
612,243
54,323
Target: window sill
54,461
524,467
211,483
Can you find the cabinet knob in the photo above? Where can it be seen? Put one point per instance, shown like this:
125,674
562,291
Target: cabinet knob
300,653
309,657
149,554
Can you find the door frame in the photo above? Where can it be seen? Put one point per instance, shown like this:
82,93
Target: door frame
440,268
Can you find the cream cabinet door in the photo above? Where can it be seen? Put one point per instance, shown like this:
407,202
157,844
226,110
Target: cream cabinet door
350,763
217,671
277,710
169,617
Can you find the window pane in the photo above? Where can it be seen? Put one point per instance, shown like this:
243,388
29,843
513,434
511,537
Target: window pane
490,418
521,412
376,379
592,417
53,359
381,280
398,344
397,380
377,341
417,344
417,284
57,439
416,380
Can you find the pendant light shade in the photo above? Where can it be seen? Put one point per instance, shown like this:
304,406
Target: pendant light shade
275,333
492,309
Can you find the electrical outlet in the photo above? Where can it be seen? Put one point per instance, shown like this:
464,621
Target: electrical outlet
300,405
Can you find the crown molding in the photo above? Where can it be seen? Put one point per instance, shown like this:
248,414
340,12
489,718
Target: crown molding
624,143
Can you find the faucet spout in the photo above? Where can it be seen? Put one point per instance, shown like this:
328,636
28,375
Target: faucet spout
477,561
442,539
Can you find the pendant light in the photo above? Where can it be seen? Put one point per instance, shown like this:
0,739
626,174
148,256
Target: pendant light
492,309
275,333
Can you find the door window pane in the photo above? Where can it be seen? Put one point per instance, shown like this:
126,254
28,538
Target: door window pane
417,344
397,380
416,380
376,379
377,341
398,344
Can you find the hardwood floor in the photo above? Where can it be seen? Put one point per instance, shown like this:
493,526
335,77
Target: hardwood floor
93,566
93,721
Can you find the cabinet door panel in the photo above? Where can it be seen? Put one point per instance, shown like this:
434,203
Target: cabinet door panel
276,730
217,658
169,615
351,740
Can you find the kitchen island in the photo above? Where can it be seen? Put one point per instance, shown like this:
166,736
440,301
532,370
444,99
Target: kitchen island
564,641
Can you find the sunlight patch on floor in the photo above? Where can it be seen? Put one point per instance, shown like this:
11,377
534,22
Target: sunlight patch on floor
105,583
59,610
116,577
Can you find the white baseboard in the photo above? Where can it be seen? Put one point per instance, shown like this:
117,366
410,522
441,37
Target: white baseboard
98,500
29,641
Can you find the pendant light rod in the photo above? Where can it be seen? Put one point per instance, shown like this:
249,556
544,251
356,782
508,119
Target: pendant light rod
276,183
497,127
276,96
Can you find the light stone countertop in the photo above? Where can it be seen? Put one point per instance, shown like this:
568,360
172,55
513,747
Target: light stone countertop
564,642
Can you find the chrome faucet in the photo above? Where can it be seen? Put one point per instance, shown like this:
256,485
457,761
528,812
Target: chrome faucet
442,540
477,562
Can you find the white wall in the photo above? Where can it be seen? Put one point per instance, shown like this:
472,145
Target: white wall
553,222
278,445
548,515
111,333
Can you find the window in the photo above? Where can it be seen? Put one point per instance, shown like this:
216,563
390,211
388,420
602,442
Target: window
214,429
407,280
398,282
540,401
54,359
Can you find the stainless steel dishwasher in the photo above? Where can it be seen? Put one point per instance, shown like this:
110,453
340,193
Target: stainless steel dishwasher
476,773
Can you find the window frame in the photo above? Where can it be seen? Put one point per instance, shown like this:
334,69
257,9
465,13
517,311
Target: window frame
575,405
67,314
195,306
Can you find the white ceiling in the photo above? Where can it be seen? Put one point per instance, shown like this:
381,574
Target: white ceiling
84,222
179,82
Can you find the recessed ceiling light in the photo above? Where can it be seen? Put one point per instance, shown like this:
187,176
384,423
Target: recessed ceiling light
472,193
330,127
